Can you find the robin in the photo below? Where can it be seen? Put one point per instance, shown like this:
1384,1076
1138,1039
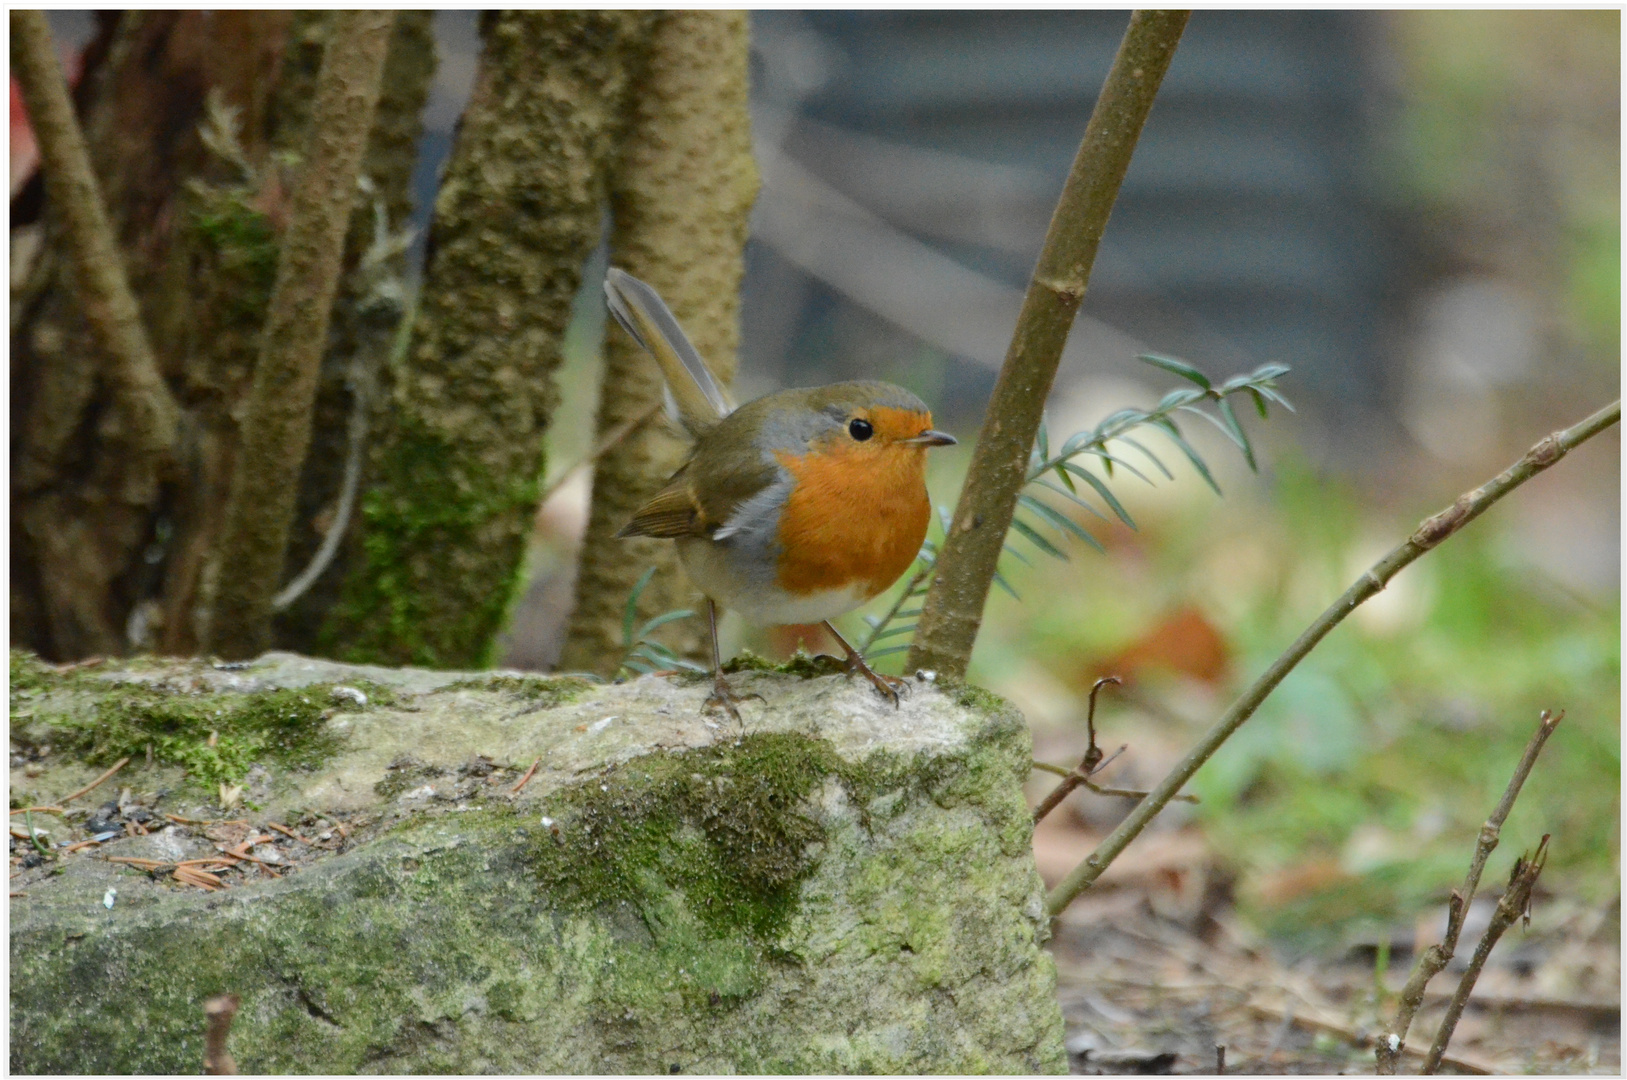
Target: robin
794,508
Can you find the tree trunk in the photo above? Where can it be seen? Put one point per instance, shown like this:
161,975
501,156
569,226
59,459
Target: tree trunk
277,413
366,318
89,526
680,198
455,466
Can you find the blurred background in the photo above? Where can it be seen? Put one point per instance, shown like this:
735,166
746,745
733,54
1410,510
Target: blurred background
1419,213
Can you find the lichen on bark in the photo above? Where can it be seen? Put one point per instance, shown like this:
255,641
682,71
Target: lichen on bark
681,194
454,469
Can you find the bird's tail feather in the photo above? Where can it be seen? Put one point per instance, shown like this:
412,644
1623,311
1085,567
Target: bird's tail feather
700,401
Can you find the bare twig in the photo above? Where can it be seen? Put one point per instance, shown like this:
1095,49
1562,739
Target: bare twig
276,429
286,831
1515,905
953,610
81,845
612,439
104,289
356,446
898,605
1428,535
1087,765
1351,1035
1220,1059
98,782
220,1010
1434,959
526,779
39,810
202,879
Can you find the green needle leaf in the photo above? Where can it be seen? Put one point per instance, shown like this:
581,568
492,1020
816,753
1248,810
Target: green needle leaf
1101,489
1239,435
1176,367
1112,459
631,613
1152,457
1072,497
1015,554
1055,517
1176,398
1000,580
1259,402
1168,427
1037,540
662,620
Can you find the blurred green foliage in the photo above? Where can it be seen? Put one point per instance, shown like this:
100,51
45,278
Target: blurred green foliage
1509,130
1368,773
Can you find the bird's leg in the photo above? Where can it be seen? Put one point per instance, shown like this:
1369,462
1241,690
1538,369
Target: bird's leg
722,696
888,686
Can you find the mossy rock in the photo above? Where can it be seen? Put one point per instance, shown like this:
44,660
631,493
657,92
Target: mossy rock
844,887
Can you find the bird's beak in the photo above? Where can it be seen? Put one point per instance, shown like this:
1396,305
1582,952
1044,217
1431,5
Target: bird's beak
930,438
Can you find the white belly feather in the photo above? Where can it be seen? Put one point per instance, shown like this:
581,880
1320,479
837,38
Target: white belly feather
760,603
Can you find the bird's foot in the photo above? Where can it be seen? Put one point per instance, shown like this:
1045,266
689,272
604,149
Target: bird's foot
725,699
887,686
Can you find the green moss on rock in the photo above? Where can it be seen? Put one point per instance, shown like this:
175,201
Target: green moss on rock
29,672
846,889
215,737
727,828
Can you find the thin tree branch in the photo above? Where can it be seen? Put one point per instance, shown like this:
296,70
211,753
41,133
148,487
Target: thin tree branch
1433,960
1515,904
104,289
953,610
98,782
1428,535
1087,764
355,449
610,441
898,605
276,432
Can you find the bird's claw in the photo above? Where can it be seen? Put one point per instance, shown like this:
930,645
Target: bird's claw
887,686
724,698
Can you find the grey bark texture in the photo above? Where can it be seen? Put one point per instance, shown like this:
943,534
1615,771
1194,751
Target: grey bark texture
276,426
845,888
455,466
680,196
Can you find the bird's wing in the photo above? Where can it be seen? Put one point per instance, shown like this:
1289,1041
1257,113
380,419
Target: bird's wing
736,494
673,512
643,314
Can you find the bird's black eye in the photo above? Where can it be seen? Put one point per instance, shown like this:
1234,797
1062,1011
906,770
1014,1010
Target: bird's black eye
860,429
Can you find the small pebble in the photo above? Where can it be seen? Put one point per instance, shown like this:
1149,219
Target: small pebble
107,898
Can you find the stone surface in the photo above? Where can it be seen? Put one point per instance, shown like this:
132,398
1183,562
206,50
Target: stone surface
846,887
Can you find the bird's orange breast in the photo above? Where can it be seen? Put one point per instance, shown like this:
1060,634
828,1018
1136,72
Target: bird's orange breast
856,515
